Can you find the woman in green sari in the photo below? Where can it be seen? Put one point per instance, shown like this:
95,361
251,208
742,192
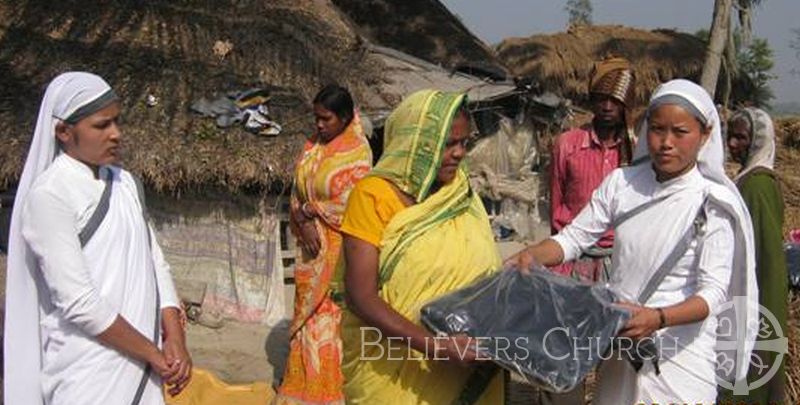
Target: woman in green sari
751,141
414,230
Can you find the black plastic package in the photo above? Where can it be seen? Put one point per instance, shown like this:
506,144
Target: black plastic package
550,329
793,263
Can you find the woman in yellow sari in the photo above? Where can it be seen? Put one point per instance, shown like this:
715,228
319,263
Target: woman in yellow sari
413,230
333,160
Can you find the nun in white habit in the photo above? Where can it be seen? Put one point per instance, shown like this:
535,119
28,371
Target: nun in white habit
683,251
89,297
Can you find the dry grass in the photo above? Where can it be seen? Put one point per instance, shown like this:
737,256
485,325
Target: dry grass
166,49
563,62
787,131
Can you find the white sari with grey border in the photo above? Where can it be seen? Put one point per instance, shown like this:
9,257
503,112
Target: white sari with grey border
60,296
718,266
118,278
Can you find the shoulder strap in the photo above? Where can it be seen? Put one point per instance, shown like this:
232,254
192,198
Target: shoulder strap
636,211
99,213
695,228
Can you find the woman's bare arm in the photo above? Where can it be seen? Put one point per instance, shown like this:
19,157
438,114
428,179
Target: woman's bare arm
547,253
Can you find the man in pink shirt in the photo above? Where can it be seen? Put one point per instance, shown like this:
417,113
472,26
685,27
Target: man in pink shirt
582,158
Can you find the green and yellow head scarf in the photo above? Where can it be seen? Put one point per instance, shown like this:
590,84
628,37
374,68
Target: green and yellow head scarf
414,138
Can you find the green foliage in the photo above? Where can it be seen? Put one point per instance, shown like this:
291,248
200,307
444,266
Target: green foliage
579,11
702,34
755,62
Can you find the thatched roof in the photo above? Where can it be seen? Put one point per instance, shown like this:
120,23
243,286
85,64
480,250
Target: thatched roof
563,62
422,28
165,49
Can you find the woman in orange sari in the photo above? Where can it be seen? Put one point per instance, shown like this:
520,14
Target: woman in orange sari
332,161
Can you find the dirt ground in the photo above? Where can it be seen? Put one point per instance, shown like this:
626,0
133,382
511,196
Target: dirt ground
242,352
237,352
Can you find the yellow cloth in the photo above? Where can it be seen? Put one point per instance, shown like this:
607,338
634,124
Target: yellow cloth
431,254
372,204
440,244
206,389
415,136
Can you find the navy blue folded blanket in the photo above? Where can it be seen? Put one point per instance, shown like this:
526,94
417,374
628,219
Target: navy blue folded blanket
550,329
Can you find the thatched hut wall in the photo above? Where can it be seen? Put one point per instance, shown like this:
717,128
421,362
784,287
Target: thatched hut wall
563,62
165,49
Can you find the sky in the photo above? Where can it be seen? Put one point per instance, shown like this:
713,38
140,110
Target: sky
495,20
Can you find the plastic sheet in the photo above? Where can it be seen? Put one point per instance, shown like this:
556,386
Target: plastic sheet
500,171
549,329
792,250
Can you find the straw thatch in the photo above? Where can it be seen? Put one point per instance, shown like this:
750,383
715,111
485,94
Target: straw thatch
422,28
563,62
166,49
787,131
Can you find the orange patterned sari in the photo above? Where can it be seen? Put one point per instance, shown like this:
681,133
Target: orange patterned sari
324,176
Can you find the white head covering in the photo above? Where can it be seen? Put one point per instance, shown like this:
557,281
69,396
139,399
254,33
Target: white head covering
761,152
743,289
69,96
